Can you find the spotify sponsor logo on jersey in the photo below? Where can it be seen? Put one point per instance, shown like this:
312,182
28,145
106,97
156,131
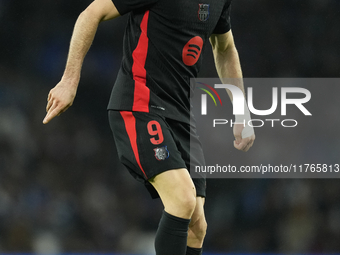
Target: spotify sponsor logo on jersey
192,51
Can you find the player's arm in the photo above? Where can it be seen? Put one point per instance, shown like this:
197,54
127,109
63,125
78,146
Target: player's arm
62,95
226,58
228,66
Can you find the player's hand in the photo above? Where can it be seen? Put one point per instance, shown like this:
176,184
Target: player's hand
242,144
59,99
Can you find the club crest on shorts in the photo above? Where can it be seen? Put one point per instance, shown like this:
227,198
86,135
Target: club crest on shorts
203,12
161,153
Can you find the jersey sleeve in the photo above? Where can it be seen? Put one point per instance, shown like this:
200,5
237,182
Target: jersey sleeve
125,6
223,24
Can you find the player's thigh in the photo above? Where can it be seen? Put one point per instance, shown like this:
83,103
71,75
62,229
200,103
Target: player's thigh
188,143
177,192
175,181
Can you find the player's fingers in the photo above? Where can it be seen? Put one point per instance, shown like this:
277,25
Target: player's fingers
50,116
52,112
247,147
244,145
238,139
64,110
49,104
46,119
249,144
252,139
240,146
55,110
252,142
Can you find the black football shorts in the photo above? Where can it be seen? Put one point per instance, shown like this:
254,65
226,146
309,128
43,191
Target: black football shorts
149,144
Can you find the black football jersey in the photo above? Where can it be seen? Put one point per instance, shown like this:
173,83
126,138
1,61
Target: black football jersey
163,44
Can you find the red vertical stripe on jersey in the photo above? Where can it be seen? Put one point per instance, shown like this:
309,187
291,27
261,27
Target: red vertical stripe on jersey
141,93
130,126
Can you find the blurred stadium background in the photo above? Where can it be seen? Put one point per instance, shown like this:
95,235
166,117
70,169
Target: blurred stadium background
62,188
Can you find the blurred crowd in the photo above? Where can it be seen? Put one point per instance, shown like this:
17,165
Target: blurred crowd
62,188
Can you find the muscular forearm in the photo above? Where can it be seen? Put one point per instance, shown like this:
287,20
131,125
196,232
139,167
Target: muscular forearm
227,61
228,67
82,38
